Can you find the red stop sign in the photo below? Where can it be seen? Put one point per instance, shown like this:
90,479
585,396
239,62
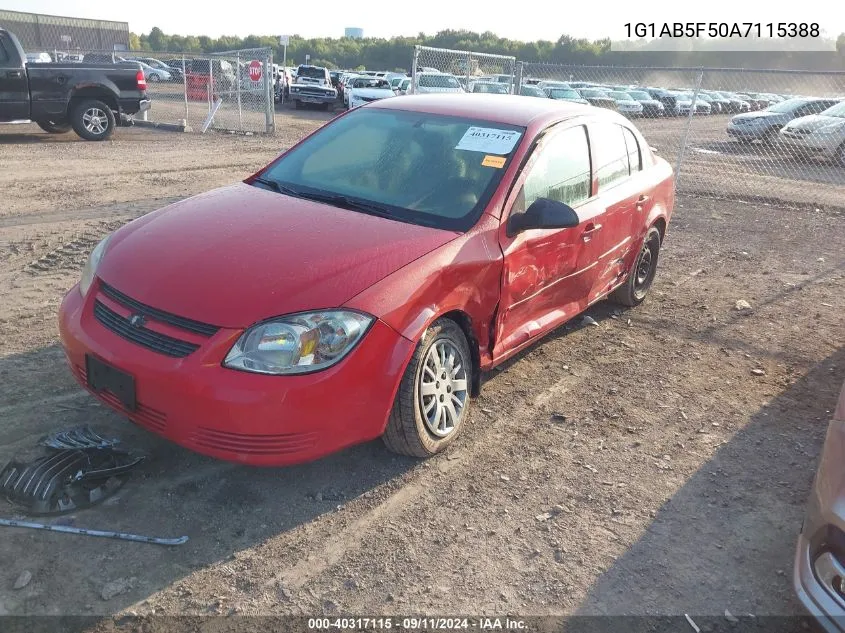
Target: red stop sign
255,70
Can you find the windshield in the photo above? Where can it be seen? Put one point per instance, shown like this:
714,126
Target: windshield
838,111
595,94
786,106
310,72
416,167
559,93
370,82
438,81
405,83
619,96
498,89
640,96
531,91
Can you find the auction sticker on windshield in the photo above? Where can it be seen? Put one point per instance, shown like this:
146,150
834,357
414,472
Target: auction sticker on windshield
488,140
493,161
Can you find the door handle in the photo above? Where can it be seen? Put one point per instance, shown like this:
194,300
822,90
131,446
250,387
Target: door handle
642,199
14,74
589,230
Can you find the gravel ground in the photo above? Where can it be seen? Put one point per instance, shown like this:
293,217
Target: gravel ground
636,466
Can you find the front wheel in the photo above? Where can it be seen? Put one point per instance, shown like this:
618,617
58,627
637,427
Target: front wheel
153,78
93,120
633,292
54,127
433,400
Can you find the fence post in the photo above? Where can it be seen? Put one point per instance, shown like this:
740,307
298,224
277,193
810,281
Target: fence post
414,61
240,77
270,104
469,70
185,91
681,150
516,78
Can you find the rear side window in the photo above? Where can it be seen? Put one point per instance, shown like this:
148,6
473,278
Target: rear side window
635,161
4,56
561,171
610,153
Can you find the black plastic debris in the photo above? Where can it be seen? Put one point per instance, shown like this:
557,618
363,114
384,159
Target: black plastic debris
77,437
67,480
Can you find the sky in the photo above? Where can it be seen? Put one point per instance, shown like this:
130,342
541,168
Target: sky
524,20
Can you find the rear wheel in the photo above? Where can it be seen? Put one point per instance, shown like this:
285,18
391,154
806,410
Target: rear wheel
93,120
433,400
633,292
54,127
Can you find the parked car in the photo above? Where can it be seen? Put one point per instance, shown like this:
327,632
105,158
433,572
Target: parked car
175,71
598,98
820,554
566,94
219,71
437,82
715,106
91,99
651,107
403,87
821,134
303,343
528,90
766,124
684,102
363,90
625,103
491,88
102,58
313,85
668,98
723,103
547,85
395,81
755,102
154,75
735,104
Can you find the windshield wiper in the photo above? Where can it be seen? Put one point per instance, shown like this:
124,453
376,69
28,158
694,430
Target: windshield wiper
352,204
278,187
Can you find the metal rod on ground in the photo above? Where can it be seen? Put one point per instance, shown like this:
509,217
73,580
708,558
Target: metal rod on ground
240,79
123,536
185,89
698,81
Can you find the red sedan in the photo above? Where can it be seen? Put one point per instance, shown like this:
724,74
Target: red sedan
358,285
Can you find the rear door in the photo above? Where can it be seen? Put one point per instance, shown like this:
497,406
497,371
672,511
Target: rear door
622,187
14,88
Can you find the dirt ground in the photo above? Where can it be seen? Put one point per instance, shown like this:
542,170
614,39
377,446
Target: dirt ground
633,467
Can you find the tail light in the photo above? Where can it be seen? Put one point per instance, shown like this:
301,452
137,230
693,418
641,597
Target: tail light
142,82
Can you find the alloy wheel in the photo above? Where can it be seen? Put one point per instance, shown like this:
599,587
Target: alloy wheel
443,390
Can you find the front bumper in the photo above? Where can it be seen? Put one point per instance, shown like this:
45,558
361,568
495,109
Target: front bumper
750,132
235,415
809,143
313,97
823,533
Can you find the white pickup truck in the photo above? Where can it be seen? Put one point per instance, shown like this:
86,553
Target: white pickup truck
313,85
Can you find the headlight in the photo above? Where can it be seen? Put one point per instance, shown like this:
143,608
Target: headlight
299,343
90,268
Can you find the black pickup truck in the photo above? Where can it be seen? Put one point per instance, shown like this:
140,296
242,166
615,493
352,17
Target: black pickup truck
89,98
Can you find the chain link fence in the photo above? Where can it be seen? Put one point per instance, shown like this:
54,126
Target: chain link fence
51,33
444,70
754,135
230,91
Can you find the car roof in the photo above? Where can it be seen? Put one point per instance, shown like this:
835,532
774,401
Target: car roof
508,109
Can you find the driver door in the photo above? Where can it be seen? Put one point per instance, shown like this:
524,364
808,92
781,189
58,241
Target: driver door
548,273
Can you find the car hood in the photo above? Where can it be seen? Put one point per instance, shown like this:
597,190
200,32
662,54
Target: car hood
240,254
431,89
815,122
372,93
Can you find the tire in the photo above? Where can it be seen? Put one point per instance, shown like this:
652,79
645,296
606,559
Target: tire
419,425
54,127
153,78
93,120
297,105
633,292
771,136
328,107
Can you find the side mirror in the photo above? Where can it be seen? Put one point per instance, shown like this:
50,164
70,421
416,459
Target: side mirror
543,213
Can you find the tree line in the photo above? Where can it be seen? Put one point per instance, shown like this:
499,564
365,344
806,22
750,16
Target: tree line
395,53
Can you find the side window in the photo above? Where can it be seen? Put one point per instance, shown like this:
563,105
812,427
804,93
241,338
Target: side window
635,158
4,56
610,153
561,171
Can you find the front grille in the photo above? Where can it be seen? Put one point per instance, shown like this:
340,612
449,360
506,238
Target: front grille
143,336
196,327
151,419
254,444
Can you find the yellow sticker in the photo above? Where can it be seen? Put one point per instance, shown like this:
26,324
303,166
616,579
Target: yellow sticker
493,161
